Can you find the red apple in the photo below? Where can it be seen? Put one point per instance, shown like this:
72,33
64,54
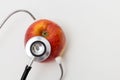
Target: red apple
52,32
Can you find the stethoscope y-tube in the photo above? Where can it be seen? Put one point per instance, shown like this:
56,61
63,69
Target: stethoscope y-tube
37,48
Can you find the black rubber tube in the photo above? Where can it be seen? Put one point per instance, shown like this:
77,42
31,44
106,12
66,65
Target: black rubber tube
25,73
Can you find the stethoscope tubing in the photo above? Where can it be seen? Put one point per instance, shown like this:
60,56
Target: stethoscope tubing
29,66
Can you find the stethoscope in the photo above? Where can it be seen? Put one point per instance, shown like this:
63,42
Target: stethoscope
38,48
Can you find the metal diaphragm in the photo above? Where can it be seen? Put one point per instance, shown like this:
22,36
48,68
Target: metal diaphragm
38,47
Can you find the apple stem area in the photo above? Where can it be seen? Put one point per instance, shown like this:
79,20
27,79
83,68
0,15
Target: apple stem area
44,33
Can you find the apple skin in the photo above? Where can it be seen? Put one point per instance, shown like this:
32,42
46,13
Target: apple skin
52,32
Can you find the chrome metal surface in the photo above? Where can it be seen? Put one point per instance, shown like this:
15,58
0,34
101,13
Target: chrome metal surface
35,46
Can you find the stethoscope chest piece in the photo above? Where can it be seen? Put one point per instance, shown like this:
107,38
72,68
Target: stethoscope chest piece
38,48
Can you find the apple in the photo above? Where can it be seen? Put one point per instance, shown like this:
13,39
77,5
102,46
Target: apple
52,32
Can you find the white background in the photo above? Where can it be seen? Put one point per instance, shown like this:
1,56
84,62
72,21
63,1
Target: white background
92,29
